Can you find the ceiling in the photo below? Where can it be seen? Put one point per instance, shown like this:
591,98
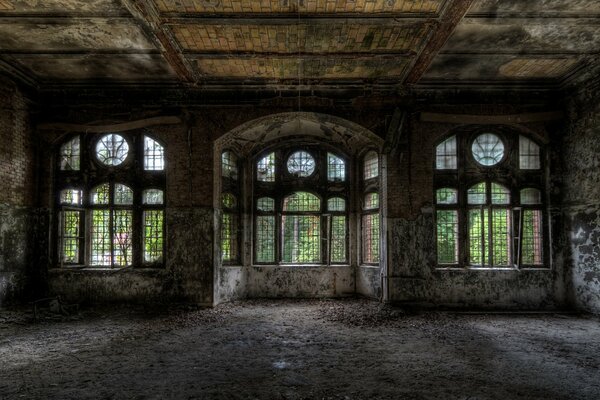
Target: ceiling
432,43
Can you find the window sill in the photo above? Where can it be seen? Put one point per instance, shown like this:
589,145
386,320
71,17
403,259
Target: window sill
299,266
87,268
465,269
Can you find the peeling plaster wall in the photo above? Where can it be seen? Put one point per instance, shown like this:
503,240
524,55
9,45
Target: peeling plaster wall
581,204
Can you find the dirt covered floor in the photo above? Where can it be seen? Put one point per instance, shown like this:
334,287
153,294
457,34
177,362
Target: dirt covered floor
313,349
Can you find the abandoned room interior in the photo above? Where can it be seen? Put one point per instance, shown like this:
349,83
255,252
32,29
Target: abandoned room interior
244,199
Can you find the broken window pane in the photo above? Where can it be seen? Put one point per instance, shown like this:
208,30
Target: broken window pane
71,197
301,238
70,155
265,168
112,149
370,234
100,194
123,194
301,164
446,196
154,155
70,237
265,239
371,165
302,201
153,236
336,204
152,196
447,236
531,196
336,168
445,154
229,168
265,204
338,239
371,201
529,154
488,149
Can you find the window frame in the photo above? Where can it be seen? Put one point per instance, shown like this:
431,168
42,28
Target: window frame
368,186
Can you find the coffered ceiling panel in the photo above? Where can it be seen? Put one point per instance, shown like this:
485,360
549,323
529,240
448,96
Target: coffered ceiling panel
540,7
301,37
525,68
300,6
61,6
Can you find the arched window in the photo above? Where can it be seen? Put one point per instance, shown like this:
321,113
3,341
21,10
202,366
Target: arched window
487,212
370,221
108,216
299,208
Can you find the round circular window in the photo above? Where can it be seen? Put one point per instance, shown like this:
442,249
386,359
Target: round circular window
301,164
112,149
487,149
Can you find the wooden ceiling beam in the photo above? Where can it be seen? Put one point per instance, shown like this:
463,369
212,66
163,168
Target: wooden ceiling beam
149,18
454,12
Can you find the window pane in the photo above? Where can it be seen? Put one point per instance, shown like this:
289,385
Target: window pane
154,155
100,194
153,196
153,236
123,194
229,167
531,248
265,204
228,200
301,164
229,237
302,201
501,237
338,239
112,149
447,236
531,196
500,194
70,236
445,154
100,232
336,204
446,196
70,155
122,237
476,194
301,238
265,238
336,168
371,165
71,197
529,154
265,168
370,233
371,201
478,237
488,149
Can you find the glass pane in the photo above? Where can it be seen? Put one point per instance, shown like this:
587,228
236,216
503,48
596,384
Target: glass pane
265,204
531,248
446,196
301,238
371,201
229,237
70,155
100,238
154,155
336,168
445,154
228,200
229,167
371,165
71,197
123,194
336,204
153,236
488,149
529,154
122,237
265,168
501,237
531,196
338,239
70,236
153,196
100,194
265,238
301,164
370,232
476,194
447,236
302,201
112,149
478,237
500,194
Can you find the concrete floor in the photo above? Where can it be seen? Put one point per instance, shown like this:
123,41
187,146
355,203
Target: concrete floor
350,349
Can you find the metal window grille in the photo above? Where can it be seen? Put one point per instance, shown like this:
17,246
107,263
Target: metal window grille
153,236
265,168
112,149
370,234
531,238
301,238
447,236
336,168
445,154
70,155
229,168
529,154
265,239
70,237
338,250
154,155
371,165
229,239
